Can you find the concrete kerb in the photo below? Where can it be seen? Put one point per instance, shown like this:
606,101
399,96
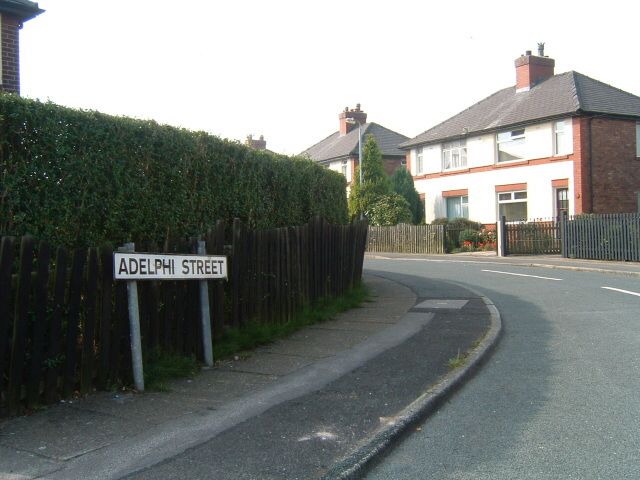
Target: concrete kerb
364,457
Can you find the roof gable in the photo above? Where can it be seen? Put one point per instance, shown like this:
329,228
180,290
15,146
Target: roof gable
564,94
337,146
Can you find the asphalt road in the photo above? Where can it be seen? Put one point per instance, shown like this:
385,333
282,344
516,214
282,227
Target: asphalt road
559,398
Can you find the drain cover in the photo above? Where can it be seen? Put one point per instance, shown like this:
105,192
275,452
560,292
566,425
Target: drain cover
435,303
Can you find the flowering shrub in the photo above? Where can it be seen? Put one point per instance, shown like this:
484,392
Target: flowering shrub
476,241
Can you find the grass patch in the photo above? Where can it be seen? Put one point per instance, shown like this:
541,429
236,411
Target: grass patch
160,367
255,334
457,361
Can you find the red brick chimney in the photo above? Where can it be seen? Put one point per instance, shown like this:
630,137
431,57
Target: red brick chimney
358,115
256,144
13,13
532,69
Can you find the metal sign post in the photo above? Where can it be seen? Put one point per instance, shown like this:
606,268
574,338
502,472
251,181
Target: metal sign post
204,314
134,325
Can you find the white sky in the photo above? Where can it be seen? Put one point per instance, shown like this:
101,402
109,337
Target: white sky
285,69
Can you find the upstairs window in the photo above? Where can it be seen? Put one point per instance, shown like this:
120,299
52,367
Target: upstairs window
561,139
419,161
343,168
511,145
454,155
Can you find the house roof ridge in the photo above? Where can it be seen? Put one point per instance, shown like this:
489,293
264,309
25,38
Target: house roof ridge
410,141
388,129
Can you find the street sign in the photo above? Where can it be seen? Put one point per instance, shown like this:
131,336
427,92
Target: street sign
150,266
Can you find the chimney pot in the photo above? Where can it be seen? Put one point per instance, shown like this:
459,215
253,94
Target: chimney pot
528,52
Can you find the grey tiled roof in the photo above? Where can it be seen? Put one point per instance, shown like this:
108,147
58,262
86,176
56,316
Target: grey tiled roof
22,9
336,146
564,94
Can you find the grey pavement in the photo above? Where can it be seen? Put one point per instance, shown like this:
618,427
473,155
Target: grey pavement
319,403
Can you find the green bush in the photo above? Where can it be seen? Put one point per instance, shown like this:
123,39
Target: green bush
390,209
464,224
83,178
469,235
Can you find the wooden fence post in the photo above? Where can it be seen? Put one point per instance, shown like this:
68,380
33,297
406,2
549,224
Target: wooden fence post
6,263
20,324
40,323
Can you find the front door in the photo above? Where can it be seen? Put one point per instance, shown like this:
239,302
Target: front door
562,201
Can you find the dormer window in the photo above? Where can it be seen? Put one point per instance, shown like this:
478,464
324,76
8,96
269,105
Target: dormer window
454,155
511,145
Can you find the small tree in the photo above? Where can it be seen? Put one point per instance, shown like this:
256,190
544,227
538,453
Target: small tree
376,184
402,182
390,209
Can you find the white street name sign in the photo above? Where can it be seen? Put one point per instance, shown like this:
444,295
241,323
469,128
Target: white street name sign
150,266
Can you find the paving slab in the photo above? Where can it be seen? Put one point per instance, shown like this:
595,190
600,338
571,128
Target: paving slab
63,432
19,465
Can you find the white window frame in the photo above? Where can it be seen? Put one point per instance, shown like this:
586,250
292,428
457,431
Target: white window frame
343,167
515,135
559,132
464,205
454,150
521,195
419,161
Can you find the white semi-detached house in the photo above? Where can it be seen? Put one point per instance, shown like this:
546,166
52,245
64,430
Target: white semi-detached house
550,144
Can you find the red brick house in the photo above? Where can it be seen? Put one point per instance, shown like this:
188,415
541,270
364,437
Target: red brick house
339,151
548,144
13,13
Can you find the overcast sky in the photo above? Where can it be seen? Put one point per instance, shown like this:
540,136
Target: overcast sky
285,69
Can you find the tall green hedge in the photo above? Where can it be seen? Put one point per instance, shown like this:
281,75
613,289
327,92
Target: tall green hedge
85,178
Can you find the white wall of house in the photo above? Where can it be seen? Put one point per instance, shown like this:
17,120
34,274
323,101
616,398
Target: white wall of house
481,183
337,167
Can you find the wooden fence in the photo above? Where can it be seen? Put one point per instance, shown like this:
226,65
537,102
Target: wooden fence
406,238
64,321
536,237
602,237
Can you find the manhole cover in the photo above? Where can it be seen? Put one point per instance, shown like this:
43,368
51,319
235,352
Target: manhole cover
449,304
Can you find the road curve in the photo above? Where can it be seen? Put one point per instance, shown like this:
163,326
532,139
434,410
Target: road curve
560,396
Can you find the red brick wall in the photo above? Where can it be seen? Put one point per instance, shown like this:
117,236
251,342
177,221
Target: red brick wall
391,164
531,70
615,167
10,55
581,174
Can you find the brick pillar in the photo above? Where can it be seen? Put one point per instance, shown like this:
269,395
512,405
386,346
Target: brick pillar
10,54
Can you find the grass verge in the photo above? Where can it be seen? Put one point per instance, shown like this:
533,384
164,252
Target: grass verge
161,367
255,334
